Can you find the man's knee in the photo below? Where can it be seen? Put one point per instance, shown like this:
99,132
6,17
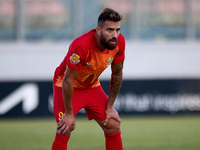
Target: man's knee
68,133
112,127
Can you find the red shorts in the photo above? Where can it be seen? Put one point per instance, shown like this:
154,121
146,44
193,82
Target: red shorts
93,100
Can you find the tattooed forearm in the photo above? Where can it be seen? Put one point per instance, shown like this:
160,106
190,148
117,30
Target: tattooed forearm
116,81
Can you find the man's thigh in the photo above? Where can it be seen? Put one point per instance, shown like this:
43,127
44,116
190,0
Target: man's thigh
94,101
96,104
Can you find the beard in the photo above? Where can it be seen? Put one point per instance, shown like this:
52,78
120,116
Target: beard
108,44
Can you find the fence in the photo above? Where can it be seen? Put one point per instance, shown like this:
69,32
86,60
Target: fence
56,20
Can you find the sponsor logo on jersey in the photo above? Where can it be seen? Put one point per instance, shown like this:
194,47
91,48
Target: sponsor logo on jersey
95,76
75,59
109,61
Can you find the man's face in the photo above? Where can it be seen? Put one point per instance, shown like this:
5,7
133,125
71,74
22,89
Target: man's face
109,34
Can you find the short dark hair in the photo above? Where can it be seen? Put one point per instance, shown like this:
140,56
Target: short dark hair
109,14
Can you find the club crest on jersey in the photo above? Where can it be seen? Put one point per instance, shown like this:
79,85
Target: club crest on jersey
109,61
75,59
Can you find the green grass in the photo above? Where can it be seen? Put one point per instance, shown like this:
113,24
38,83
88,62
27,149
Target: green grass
138,133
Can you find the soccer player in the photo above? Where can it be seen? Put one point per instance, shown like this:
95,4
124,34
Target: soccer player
76,84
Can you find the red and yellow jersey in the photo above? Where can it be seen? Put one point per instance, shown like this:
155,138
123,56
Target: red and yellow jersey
83,55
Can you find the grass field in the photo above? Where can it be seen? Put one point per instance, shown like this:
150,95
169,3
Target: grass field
138,133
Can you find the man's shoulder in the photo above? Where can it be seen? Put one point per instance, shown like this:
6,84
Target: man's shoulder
121,40
121,37
85,39
82,44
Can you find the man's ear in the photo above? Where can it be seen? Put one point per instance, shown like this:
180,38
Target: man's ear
98,30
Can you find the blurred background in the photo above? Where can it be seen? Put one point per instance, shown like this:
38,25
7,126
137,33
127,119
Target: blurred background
61,20
159,101
162,66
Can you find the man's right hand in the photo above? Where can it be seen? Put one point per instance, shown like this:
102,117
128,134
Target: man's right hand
66,124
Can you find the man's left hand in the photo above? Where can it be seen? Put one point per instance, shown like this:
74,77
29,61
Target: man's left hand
112,113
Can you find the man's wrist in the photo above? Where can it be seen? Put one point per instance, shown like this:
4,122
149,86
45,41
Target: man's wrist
69,112
109,106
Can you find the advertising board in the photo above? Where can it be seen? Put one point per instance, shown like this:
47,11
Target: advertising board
35,99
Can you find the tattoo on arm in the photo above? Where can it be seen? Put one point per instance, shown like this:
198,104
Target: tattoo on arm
116,81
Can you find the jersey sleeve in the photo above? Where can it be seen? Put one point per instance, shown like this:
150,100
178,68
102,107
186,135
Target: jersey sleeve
120,56
76,55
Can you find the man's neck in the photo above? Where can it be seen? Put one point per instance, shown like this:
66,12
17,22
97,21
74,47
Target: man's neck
98,43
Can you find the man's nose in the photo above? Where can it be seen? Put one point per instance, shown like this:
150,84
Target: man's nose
114,34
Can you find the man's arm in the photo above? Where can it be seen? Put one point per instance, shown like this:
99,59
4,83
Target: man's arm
68,88
67,122
115,84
